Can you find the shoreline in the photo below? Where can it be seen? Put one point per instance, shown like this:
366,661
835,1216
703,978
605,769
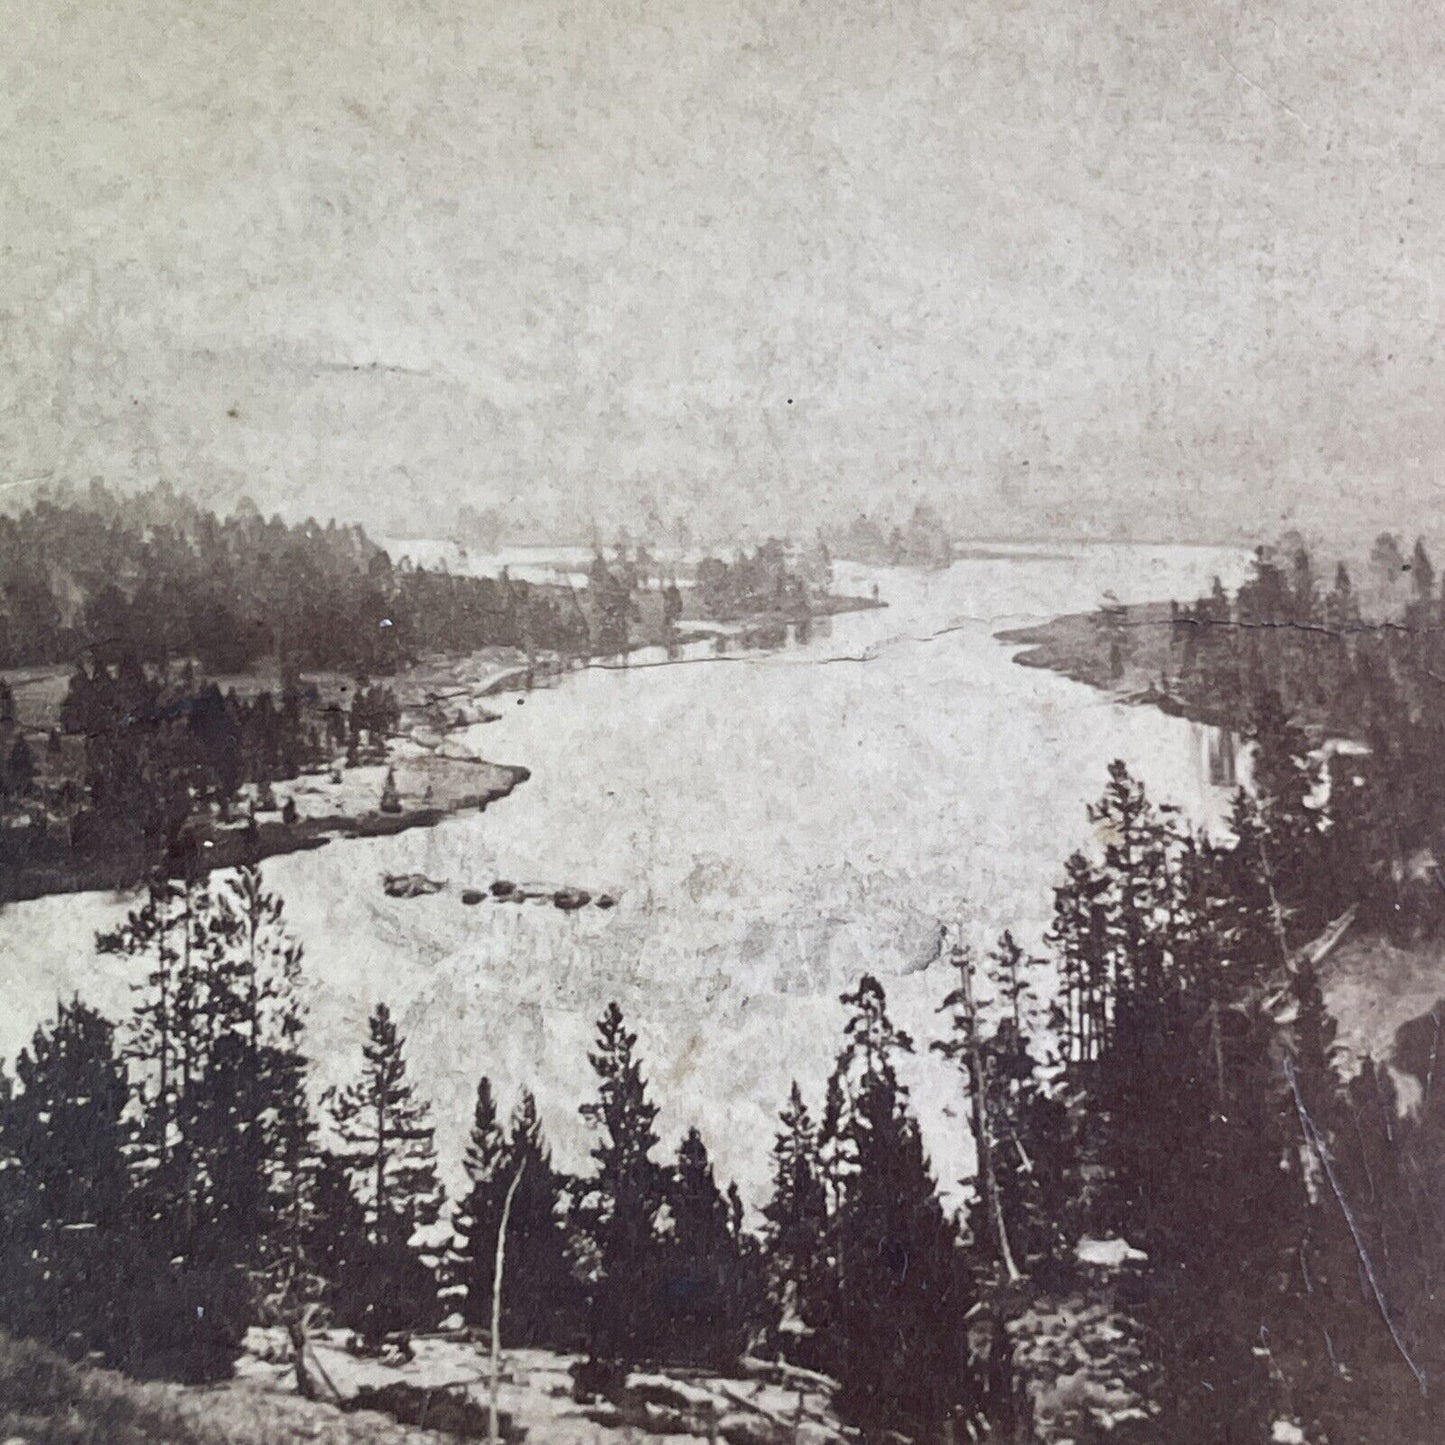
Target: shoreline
1070,646
220,846
433,784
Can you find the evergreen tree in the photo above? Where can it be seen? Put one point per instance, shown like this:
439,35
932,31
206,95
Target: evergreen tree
976,1062
337,1242
227,1156
542,1302
479,1214
1031,1145
20,768
713,1299
201,1158
1077,938
1289,830
618,1206
387,1149
800,1270
901,1341
1137,897
271,1159
68,1246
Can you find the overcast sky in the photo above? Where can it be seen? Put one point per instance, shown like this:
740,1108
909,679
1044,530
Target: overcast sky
1155,267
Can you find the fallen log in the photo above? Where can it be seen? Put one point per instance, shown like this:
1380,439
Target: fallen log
788,1374
1315,952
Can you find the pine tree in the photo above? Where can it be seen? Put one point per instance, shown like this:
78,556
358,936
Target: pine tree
159,932
227,1152
618,1206
713,1297
388,1152
270,1155
800,1273
1289,827
901,1341
68,1245
480,1212
967,1047
337,1243
197,1168
1247,922
542,1304
1077,938
1031,1148
1137,871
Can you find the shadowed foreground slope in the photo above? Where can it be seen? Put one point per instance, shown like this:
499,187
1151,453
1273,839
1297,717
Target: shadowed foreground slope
46,1401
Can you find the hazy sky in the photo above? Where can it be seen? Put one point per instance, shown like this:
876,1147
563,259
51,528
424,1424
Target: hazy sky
1150,266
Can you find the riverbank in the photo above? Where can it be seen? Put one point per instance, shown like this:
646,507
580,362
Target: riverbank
1379,991
435,769
429,789
431,757
1077,646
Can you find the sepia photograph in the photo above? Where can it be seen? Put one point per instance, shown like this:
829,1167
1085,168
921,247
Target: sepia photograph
722,722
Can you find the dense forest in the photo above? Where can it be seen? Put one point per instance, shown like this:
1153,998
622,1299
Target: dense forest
171,619
137,755
158,577
1356,669
1162,1075
919,539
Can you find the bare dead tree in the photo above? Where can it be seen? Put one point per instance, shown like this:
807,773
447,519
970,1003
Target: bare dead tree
968,1048
493,1412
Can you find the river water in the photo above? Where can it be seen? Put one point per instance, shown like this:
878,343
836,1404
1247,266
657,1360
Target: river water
773,824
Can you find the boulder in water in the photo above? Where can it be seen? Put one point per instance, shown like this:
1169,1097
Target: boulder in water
409,885
569,900
472,895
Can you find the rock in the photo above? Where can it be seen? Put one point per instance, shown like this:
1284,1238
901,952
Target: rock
503,888
472,895
669,1393
440,1410
747,1429
1108,1253
569,900
606,900
409,885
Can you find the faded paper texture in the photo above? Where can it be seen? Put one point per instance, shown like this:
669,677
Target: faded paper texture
721,721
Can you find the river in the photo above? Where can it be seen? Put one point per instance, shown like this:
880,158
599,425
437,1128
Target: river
773,824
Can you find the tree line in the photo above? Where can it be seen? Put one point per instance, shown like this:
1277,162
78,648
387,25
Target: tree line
1163,1072
157,575
921,539
168,1183
1355,655
138,752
